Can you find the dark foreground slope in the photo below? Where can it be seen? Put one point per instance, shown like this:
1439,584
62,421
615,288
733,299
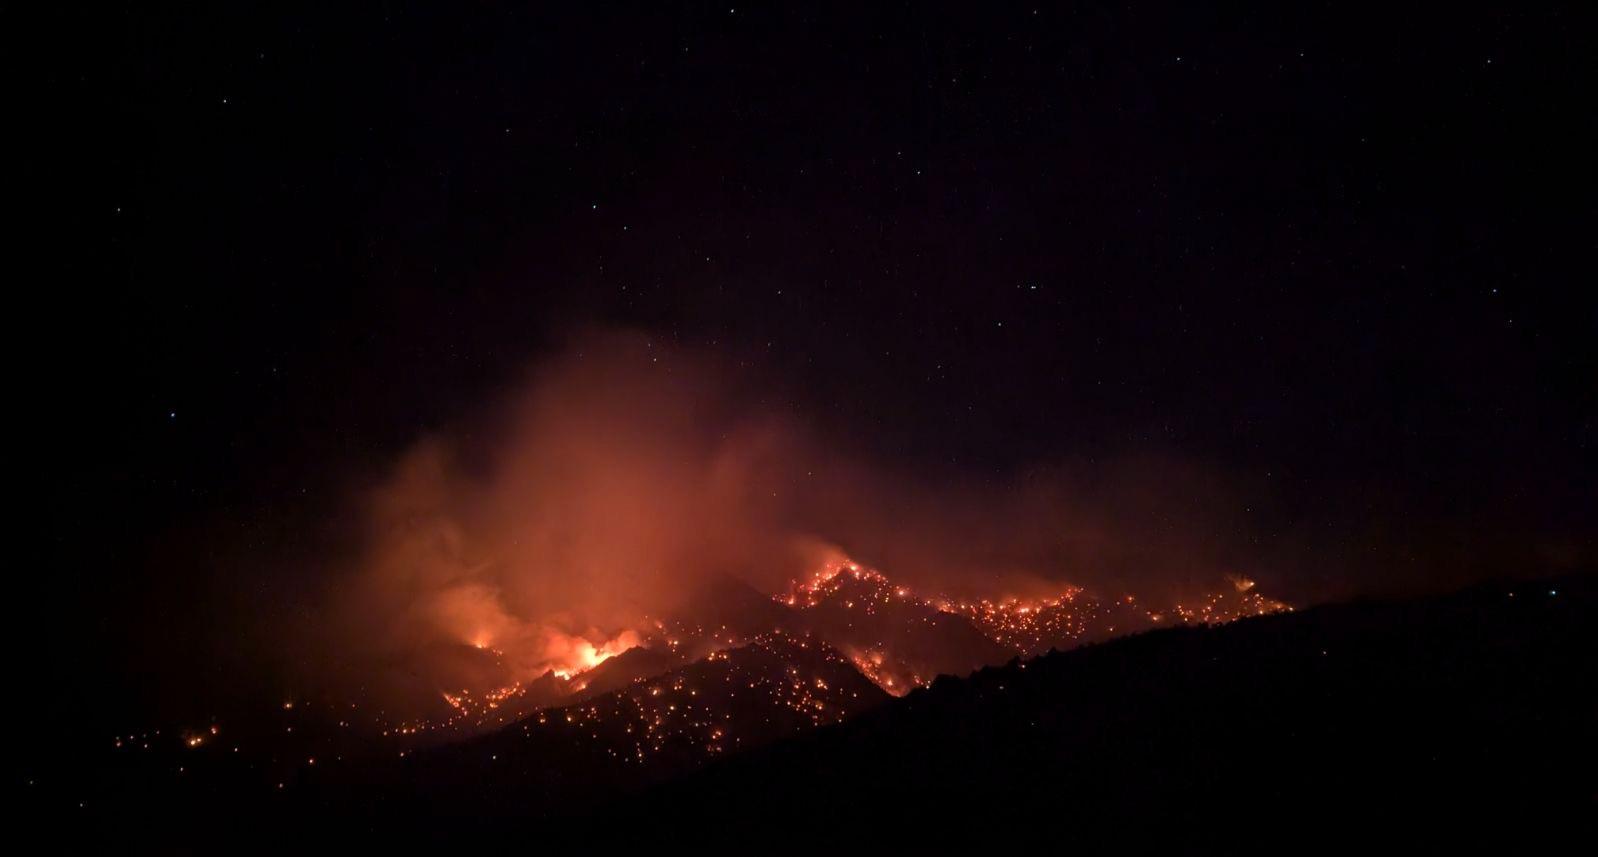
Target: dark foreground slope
1436,720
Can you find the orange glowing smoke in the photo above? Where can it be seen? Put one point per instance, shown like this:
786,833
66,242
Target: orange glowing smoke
622,475
542,536
584,655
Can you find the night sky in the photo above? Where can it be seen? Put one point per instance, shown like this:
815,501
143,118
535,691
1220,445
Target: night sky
1342,257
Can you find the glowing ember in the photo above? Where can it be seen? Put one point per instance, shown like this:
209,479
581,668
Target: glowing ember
1025,626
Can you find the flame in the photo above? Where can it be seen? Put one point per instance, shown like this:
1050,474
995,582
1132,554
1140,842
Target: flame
585,656
1030,626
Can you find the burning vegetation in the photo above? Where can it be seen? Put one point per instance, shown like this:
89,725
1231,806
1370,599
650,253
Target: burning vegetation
505,561
553,586
731,669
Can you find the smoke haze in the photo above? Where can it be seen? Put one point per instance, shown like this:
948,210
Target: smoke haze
623,473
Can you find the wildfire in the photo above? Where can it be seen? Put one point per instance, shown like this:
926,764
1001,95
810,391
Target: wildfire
692,712
1027,626
586,656
717,688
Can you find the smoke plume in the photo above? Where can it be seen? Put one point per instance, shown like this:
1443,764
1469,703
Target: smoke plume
624,472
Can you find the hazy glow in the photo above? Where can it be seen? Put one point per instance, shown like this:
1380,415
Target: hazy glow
543,537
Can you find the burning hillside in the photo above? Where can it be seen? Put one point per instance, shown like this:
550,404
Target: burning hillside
893,635
776,684
897,635
597,511
830,645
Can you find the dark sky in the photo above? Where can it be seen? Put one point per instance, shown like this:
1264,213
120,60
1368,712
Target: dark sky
1342,255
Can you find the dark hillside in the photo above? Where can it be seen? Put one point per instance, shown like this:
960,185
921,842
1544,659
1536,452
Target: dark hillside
1436,717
